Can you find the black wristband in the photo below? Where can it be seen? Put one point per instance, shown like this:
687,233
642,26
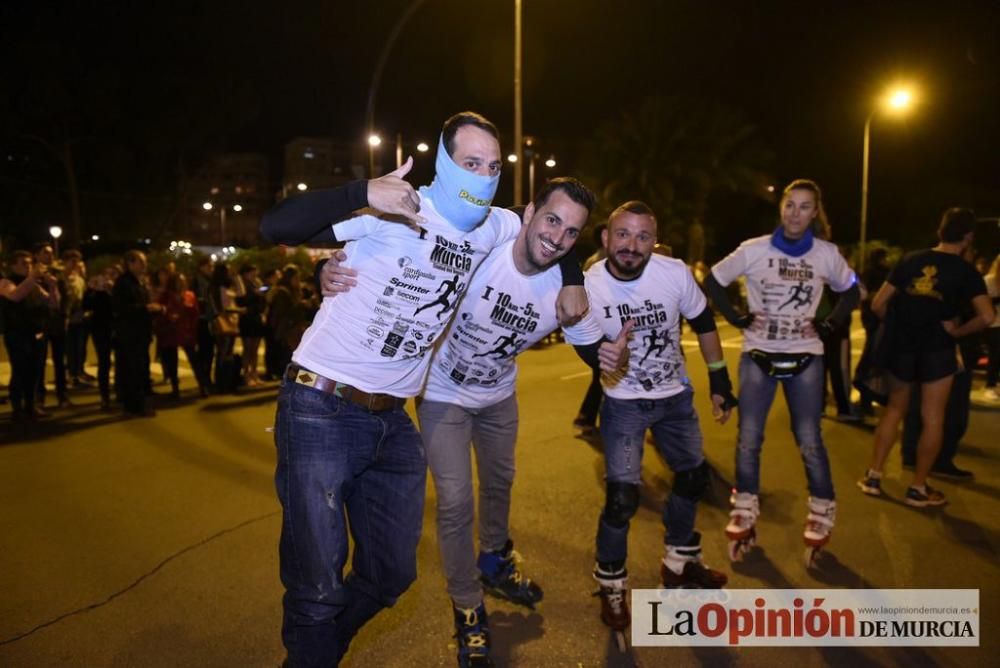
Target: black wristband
572,274
719,383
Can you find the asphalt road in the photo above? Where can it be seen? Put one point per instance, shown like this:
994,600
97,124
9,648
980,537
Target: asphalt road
152,542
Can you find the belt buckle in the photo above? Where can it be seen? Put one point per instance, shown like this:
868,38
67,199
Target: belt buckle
370,404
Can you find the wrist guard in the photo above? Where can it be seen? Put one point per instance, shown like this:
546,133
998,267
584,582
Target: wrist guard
719,383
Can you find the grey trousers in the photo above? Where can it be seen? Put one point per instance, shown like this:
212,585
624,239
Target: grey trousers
448,430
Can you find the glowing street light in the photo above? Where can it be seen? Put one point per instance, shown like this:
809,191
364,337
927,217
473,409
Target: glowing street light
512,157
208,206
423,147
55,232
302,187
551,162
374,140
900,99
897,101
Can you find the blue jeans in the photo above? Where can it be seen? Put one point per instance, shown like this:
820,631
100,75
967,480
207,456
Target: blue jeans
804,396
677,435
339,463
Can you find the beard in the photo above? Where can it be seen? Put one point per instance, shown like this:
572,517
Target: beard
628,271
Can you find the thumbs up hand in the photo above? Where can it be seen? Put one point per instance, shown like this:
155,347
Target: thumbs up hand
614,354
391,194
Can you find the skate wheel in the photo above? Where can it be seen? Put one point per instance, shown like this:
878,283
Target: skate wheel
736,550
810,555
621,642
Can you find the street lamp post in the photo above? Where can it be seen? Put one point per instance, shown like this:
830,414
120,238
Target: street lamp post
208,206
899,100
518,142
422,147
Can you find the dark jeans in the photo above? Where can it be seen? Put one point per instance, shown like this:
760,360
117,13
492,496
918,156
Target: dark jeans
956,421
993,343
24,351
206,351
76,348
58,345
272,365
677,436
591,405
168,362
837,360
341,467
102,345
132,375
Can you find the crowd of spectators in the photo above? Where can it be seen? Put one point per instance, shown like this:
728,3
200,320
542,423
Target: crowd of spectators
58,321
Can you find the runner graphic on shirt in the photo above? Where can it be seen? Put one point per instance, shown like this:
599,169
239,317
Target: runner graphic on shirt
796,293
450,287
651,340
501,350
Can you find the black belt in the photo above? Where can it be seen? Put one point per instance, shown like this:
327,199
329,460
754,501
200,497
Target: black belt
370,401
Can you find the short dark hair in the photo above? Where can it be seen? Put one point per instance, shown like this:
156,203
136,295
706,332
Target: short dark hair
40,246
247,267
131,256
573,188
20,255
956,222
635,206
203,260
462,119
72,254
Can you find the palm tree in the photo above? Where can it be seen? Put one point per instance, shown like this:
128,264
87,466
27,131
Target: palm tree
674,153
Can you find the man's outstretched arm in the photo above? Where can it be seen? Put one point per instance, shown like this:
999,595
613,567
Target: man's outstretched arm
310,216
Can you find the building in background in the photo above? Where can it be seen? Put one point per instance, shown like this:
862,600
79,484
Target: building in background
223,202
319,162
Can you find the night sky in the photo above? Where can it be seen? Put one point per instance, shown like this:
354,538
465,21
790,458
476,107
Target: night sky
149,89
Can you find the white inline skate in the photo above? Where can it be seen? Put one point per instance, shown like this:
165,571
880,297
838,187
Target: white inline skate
819,526
742,528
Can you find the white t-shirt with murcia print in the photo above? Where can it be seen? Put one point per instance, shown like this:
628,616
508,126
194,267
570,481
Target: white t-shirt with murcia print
655,301
378,337
785,289
503,313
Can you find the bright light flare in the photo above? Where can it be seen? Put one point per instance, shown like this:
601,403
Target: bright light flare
374,140
55,231
899,99
512,157
207,206
423,147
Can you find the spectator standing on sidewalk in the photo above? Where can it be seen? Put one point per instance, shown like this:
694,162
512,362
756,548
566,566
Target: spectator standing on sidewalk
201,285
55,327
99,309
133,314
252,321
26,296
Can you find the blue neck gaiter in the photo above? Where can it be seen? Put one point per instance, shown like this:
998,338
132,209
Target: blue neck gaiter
793,247
460,196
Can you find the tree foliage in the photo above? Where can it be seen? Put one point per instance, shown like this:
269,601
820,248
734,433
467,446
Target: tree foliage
674,153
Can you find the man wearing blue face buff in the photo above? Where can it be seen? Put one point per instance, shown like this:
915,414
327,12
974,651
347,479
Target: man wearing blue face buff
345,445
